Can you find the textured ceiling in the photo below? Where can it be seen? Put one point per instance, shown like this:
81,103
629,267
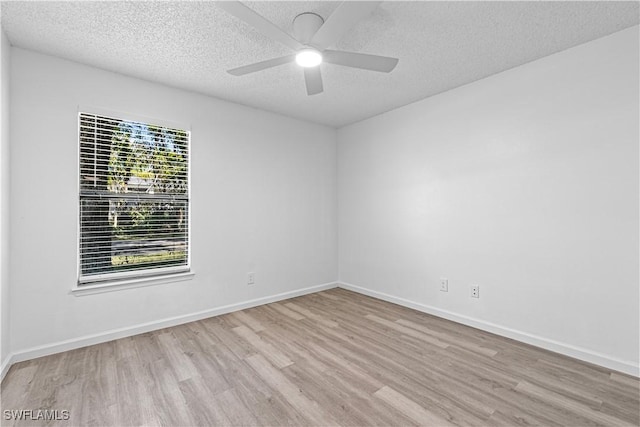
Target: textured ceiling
441,45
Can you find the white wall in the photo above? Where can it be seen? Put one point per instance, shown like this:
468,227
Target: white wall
525,183
263,200
4,200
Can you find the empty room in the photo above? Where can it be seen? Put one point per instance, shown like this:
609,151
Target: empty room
320,213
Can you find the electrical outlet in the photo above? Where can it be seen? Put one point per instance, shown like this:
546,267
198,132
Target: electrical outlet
251,278
475,291
444,285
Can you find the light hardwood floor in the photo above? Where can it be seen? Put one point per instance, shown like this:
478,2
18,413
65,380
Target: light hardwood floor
330,358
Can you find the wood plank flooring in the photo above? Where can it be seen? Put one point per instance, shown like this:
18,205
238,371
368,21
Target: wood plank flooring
330,358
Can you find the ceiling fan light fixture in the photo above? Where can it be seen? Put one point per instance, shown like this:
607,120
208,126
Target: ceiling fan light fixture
310,40
308,58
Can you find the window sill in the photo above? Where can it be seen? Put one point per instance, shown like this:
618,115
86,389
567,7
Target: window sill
139,282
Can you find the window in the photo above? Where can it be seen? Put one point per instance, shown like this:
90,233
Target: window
134,199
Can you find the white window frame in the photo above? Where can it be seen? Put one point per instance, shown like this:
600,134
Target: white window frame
108,282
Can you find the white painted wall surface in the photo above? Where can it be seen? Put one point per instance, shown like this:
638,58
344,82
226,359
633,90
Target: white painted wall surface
5,50
525,183
263,200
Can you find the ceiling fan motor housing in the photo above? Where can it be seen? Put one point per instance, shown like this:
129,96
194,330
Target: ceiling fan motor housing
306,25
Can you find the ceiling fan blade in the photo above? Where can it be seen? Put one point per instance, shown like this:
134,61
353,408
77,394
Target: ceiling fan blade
261,24
383,64
341,20
313,80
263,65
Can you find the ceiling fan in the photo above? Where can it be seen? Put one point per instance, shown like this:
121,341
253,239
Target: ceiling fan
311,38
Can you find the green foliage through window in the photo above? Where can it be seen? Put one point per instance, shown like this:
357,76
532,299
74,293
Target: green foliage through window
134,197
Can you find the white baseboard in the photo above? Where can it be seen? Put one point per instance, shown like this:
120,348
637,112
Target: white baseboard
586,355
4,367
114,334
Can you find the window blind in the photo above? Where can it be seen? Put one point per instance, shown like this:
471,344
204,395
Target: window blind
134,199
